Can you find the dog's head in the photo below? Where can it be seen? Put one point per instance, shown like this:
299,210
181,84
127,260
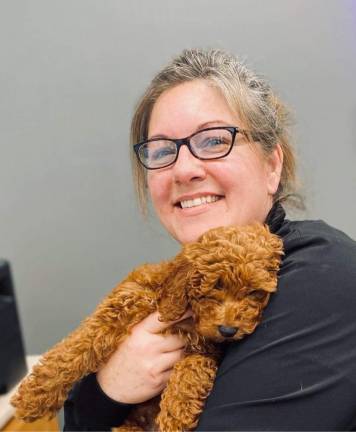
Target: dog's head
232,271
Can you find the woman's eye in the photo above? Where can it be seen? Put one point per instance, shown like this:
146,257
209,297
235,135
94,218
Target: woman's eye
212,145
212,142
162,153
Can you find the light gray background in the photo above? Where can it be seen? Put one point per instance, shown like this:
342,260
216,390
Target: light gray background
70,74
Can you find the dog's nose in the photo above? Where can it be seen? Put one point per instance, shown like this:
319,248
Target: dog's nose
227,331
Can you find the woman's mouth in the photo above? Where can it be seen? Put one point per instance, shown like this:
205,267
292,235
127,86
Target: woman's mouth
198,201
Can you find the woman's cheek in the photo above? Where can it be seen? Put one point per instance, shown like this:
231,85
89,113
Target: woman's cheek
159,190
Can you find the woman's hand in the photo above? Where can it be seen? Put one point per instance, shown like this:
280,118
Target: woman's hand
143,363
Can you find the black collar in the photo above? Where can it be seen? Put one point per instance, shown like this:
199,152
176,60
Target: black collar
275,217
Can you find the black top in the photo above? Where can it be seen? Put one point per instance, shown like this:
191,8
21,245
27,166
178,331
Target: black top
297,371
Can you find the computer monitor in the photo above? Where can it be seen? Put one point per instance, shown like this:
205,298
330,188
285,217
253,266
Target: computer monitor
12,354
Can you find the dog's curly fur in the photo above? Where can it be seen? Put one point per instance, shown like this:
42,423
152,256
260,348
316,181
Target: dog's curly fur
226,278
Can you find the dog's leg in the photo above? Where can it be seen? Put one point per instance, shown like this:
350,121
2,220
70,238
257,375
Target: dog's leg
44,391
184,397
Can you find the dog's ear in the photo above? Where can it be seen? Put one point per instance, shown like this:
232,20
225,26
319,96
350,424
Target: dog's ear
195,253
272,245
173,299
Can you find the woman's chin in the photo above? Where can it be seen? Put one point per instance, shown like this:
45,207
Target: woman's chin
192,232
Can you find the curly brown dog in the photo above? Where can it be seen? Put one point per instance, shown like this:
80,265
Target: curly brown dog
226,278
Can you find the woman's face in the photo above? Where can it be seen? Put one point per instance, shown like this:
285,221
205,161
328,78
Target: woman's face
241,184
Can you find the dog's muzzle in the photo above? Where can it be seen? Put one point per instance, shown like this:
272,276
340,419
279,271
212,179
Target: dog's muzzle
227,331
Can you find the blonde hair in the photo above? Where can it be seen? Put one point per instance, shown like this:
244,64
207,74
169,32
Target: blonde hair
247,94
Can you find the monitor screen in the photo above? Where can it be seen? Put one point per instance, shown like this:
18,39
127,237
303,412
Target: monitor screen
12,353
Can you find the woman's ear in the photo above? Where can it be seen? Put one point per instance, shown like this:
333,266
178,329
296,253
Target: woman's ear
274,169
173,299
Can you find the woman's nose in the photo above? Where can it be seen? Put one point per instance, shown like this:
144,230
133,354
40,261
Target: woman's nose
187,167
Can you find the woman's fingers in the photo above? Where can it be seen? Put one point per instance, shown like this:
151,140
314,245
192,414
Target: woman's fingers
160,371
169,359
140,367
152,323
172,343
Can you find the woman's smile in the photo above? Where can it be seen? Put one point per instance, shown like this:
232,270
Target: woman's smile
197,201
199,205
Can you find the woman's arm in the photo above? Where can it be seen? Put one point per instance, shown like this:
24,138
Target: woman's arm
89,408
136,372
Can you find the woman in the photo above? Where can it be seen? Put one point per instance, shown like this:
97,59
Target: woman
213,150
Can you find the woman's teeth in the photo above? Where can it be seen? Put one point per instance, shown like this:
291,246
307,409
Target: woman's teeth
199,201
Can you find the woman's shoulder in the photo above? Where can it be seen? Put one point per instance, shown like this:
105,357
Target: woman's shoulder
318,241
319,265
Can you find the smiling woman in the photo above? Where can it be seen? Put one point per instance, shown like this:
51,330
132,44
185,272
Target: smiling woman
210,148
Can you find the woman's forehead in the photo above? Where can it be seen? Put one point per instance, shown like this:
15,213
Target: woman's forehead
188,107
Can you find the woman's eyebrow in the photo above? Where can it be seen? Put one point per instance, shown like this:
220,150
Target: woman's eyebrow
158,136
212,123
204,125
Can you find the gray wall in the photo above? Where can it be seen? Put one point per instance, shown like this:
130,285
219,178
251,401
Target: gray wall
70,73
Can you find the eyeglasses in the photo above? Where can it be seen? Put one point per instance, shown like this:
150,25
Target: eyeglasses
206,144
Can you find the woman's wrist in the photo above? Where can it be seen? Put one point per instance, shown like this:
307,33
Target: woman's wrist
110,392
109,388
92,407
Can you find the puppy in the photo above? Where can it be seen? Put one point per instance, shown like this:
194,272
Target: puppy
226,278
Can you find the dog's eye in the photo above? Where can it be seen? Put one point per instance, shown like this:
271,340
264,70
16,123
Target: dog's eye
258,294
219,285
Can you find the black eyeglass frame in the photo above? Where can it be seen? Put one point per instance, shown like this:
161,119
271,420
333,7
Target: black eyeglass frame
179,142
